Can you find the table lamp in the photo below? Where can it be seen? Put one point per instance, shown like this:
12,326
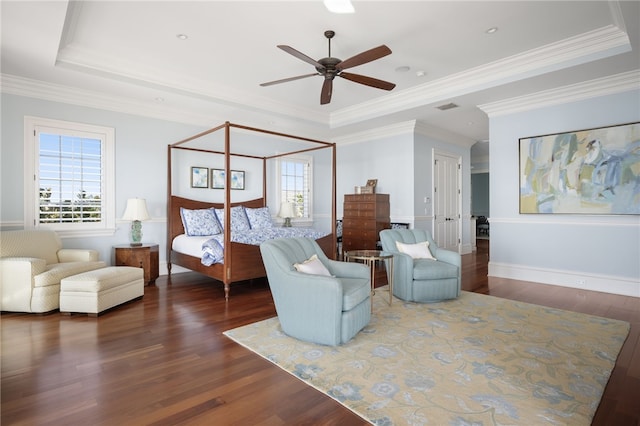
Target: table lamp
136,211
287,211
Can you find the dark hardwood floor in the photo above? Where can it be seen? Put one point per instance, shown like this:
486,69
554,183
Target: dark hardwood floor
164,361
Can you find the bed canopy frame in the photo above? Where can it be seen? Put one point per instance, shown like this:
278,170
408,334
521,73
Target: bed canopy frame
241,261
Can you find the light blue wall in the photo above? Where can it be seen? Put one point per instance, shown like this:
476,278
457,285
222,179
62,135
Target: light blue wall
587,251
141,165
403,165
141,168
388,159
425,147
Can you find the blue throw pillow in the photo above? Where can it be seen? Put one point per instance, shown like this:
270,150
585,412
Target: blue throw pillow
239,221
200,222
259,218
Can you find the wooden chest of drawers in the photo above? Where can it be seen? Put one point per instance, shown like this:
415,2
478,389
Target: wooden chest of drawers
365,215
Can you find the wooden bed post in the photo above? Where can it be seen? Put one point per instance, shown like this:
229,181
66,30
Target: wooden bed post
333,202
169,215
241,261
228,258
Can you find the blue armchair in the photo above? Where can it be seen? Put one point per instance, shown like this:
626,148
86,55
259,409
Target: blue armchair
322,309
422,280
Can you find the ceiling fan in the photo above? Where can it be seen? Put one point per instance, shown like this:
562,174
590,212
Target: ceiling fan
330,67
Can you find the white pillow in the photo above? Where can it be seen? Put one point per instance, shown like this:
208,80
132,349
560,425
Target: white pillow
312,266
416,251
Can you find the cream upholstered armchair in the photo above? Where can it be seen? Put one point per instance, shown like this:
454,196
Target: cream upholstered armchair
317,299
422,271
32,263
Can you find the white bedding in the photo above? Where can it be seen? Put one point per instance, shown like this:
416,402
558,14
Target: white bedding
191,246
210,249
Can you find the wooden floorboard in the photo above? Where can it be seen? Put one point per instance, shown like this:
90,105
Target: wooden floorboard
164,361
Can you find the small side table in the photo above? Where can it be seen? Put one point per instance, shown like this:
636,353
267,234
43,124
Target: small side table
144,256
370,257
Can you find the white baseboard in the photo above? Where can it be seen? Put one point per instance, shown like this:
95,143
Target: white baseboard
603,283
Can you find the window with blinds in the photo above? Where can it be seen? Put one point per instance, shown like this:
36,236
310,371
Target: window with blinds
72,169
295,184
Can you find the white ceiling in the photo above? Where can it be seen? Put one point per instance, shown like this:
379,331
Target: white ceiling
127,56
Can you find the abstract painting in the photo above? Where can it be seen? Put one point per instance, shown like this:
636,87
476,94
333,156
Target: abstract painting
592,171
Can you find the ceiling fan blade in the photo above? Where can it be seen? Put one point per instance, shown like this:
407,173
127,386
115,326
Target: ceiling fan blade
327,89
290,50
284,80
367,81
364,57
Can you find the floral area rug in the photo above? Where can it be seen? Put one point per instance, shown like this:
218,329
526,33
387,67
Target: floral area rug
477,360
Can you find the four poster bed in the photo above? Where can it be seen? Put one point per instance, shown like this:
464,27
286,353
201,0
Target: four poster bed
241,261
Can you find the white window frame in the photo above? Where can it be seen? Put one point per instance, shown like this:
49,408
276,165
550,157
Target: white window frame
299,158
32,125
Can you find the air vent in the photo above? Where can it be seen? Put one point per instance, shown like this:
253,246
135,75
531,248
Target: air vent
445,107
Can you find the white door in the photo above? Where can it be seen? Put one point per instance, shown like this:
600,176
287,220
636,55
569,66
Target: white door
446,195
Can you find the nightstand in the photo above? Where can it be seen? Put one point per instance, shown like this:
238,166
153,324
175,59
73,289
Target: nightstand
144,256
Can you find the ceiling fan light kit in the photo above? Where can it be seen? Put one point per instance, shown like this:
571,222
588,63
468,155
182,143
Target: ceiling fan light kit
331,67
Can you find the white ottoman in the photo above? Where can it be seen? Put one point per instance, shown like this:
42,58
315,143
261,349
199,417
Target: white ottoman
95,291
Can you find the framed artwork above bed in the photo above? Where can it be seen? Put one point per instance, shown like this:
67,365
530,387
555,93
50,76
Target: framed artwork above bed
199,177
217,179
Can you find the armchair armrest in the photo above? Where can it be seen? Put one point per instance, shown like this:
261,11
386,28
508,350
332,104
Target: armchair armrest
347,269
448,256
77,255
16,282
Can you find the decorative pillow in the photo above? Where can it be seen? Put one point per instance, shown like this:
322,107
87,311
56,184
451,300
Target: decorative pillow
312,266
259,218
416,251
239,221
199,222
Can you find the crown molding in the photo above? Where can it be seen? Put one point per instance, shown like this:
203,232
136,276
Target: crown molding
619,83
21,86
583,48
86,61
30,88
397,129
443,135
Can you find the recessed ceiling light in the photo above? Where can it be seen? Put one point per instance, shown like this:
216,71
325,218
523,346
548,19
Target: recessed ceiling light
420,73
339,6
182,36
491,30
403,68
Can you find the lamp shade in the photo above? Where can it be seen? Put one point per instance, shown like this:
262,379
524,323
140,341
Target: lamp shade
136,209
287,210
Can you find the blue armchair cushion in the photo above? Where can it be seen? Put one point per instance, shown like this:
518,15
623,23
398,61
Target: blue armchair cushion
426,269
354,292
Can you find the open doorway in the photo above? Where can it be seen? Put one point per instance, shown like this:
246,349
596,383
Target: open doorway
480,204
